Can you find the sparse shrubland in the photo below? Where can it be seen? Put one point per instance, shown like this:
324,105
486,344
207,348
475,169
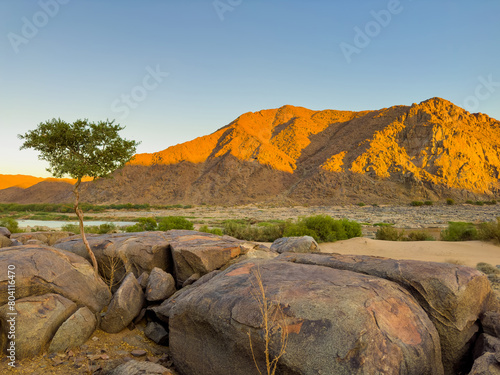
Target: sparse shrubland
460,231
388,233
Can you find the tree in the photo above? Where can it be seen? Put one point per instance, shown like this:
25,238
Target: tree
81,149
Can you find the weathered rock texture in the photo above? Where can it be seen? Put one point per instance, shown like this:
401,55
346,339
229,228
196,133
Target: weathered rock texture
304,244
47,238
133,367
453,296
427,150
41,269
74,331
338,322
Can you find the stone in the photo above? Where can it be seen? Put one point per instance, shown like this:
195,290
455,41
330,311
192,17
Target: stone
486,344
126,304
5,241
134,367
45,238
138,353
161,285
191,279
143,280
338,322
134,252
157,333
304,244
491,323
75,331
453,296
487,364
42,270
36,322
197,252
5,232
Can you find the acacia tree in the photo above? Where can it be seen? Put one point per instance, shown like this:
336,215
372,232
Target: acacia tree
81,149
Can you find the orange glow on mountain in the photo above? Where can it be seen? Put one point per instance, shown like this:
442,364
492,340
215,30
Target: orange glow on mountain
25,181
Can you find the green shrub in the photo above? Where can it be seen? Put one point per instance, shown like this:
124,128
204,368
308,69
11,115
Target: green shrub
174,222
260,233
206,229
418,235
450,202
11,224
491,203
74,228
416,203
361,204
490,230
428,203
324,228
459,231
388,233
479,203
468,201
144,224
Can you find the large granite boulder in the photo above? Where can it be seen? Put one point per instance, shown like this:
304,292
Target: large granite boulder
37,319
5,232
126,304
121,253
41,269
46,238
454,297
200,253
336,322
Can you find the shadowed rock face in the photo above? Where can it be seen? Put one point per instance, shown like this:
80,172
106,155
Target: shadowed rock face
338,322
293,154
453,296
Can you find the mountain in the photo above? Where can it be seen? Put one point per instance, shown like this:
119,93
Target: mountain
25,181
431,150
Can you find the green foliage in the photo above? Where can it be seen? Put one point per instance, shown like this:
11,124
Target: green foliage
248,232
143,224
361,204
11,224
468,201
490,230
416,203
428,203
174,222
392,234
479,203
450,202
324,228
206,229
459,231
80,149
95,229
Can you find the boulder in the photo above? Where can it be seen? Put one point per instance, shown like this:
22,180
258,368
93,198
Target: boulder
453,296
157,333
74,331
198,252
37,319
334,322
487,364
304,244
134,367
121,253
491,323
41,270
161,285
46,238
5,241
126,304
143,280
486,344
5,232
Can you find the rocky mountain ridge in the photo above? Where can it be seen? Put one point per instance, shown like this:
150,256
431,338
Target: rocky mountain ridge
430,150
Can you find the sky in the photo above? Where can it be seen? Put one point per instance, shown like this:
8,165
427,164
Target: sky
173,70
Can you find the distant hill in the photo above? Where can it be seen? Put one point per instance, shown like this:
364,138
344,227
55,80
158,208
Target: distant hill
25,181
430,150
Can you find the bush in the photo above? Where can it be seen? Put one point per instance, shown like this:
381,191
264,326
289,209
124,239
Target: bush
73,228
468,201
388,233
206,229
490,230
361,204
416,203
418,235
174,222
450,202
459,231
479,203
144,224
428,203
11,224
488,269
324,228
260,233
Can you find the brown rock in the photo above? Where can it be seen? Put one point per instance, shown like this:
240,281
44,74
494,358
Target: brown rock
5,232
46,238
41,270
37,319
161,285
304,244
453,296
487,364
352,323
491,323
75,331
134,367
126,304
5,241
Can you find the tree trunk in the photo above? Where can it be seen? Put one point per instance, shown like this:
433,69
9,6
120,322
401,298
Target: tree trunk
79,213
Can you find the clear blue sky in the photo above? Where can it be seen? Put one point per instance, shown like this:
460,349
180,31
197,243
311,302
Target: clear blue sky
189,67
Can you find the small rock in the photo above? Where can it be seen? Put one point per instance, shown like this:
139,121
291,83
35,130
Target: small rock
138,352
161,285
157,333
133,367
191,279
143,280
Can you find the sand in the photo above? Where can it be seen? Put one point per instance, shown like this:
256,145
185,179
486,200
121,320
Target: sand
468,253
